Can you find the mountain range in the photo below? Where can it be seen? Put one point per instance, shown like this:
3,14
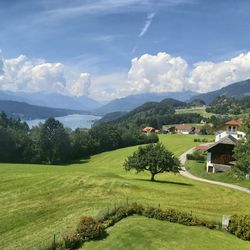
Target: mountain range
82,104
130,102
52,100
28,111
236,90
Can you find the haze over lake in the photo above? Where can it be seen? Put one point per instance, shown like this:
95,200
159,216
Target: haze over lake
70,121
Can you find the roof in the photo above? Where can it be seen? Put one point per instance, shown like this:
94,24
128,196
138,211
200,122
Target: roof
148,129
228,140
202,147
183,127
233,122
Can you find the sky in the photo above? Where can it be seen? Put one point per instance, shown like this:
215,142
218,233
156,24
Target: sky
108,49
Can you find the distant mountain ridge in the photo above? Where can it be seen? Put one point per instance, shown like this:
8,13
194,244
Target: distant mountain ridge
52,100
237,90
131,102
27,111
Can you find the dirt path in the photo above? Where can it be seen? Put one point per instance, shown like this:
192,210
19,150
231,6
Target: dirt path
185,173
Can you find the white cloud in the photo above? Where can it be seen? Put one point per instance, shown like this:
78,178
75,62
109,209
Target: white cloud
149,73
148,22
81,86
208,76
157,73
165,73
23,74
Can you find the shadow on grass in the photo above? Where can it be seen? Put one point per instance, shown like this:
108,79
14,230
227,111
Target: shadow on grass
167,182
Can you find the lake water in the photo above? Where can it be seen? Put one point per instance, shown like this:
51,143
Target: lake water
70,121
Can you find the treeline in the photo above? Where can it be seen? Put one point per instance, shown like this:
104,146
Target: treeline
228,105
51,143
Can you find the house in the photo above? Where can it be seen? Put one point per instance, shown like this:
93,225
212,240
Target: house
220,155
168,129
180,128
186,129
229,128
148,129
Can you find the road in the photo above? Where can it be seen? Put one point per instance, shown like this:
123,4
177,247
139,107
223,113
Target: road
185,173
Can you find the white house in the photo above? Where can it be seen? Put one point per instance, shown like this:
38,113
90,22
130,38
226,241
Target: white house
229,128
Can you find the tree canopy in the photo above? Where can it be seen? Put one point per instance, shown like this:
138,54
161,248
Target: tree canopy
154,158
242,148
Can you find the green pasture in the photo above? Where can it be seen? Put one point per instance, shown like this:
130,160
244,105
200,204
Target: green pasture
38,201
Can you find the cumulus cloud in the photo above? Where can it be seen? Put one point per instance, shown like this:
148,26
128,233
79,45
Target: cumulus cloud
23,74
157,73
81,86
165,73
207,76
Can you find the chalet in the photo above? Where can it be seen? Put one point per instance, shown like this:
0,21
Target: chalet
148,129
180,129
186,129
220,155
229,128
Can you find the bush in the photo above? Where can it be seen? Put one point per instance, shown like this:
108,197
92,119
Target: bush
197,156
71,240
239,225
90,229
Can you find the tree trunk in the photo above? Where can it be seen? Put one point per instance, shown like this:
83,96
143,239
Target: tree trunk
152,177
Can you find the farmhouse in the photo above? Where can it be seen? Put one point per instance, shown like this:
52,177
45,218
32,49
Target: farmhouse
229,128
220,155
180,129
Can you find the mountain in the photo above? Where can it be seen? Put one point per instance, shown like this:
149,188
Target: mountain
27,111
152,114
237,90
132,101
53,100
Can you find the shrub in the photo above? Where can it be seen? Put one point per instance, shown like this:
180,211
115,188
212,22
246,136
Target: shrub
90,228
197,156
239,225
71,240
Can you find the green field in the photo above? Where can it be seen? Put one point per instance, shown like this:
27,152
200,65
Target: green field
198,169
150,234
199,110
38,201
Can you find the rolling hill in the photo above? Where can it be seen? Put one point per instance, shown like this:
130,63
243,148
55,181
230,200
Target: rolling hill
27,111
238,89
133,101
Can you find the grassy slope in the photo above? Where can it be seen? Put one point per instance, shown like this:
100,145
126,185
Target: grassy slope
38,201
151,234
199,110
198,169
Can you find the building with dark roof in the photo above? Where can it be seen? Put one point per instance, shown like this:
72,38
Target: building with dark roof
220,155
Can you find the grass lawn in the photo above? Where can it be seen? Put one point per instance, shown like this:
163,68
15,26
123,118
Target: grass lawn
38,201
151,234
200,110
198,169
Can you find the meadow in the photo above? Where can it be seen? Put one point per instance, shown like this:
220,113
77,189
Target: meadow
199,110
38,201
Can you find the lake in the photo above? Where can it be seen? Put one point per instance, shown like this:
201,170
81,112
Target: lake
70,121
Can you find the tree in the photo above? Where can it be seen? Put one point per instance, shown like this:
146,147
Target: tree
53,142
242,148
153,158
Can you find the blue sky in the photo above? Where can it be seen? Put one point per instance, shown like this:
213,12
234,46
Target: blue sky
101,37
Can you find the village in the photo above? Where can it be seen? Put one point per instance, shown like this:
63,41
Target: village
219,154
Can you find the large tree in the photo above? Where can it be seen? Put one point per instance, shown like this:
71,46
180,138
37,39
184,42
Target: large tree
242,149
154,158
53,142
